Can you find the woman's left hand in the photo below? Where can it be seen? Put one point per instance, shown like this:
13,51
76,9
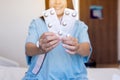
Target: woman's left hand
71,44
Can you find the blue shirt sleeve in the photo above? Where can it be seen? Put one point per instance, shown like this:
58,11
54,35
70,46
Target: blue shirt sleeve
84,37
32,33
31,37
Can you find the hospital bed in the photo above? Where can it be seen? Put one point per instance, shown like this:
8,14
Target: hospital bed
14,72
8,62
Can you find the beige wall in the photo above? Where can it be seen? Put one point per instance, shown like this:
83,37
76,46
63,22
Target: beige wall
15,17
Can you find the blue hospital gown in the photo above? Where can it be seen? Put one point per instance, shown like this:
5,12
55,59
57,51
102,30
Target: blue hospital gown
58,64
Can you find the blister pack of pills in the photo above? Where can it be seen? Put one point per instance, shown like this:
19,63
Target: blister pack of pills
61,27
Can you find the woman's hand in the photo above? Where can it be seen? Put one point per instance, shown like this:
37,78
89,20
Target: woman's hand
71,44
48,41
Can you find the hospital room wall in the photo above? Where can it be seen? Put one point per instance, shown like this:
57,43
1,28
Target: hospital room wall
15,17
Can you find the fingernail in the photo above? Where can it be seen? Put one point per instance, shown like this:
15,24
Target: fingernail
63,45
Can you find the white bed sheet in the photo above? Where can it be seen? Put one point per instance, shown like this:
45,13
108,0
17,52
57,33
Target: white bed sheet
11,73
16,73
103,73
8,62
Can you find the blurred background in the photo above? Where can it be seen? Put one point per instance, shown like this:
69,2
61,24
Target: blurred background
15,17
101,16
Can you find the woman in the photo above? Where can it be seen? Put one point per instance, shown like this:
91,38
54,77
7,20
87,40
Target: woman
65,57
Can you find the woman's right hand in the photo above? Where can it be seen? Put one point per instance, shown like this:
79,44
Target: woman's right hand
48,41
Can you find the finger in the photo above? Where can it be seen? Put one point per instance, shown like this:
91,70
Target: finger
66,38
69,41
51,43
70,52
44,35
73,48
42,41
50,38
47,34
50,48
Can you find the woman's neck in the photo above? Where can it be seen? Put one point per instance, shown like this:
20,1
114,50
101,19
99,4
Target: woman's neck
60,16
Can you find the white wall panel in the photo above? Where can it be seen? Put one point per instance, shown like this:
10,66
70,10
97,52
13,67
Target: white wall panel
15,17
